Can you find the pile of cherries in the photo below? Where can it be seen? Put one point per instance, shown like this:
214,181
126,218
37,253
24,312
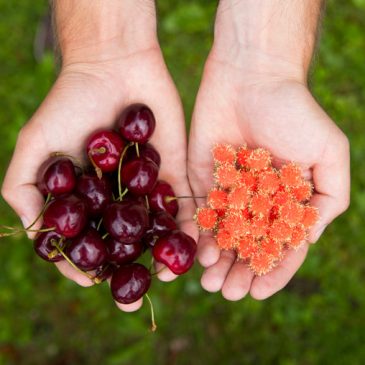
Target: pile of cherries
103,218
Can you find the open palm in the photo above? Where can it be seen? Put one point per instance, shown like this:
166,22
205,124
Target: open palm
280,115
90,96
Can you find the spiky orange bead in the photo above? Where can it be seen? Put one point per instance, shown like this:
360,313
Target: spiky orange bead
246,247
259,159
217,199
224,153
242,154
261,263
290,175
249,179
224,240
310,216
302,192
292,213
226,176
272,248
298,237
268,181
280,231
206,218
238,197
260,205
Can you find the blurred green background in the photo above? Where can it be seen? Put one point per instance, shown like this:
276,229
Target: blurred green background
319,318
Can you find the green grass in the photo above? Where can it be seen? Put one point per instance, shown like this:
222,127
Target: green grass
318,319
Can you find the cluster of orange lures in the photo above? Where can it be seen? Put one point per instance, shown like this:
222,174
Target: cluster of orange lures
255,209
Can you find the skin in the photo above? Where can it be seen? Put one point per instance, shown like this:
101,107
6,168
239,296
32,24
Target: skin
97,81
259,96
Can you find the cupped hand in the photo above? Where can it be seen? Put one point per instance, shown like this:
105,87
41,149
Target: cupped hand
264,109
88,96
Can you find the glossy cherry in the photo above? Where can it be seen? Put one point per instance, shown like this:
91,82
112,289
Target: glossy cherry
126,221
104,149
130,282
97,193
87,251
58,178
145,151
137,123
161,223
176,250
161,198
43,246
139,176
68,214
121,253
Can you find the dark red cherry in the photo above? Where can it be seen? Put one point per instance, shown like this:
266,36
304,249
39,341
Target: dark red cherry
176,250
139,176
160,198
58,178
87,251
126,221
161,223
130,282
121,253
68,214
104,149
43,246
97,193
137,123
146,151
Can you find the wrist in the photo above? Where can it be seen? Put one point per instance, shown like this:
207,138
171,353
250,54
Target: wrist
267,36
104,30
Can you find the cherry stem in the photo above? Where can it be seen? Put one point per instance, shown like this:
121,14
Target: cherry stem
55,252
120,168
153,323
40,215
147,203
96,278
60,250
62,154
137,149
125,191
98,171
169,199
99,224
15,232
105,236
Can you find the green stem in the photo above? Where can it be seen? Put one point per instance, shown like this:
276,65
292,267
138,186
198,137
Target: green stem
137,150
60,250
153,323
120,168
49,196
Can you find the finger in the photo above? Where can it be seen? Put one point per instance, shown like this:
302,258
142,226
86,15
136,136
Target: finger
130,307
164,273
69,272
332,184
214,276
238,282
264,286
208,252
18,188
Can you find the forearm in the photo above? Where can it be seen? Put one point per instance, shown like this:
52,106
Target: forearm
283,31
99,29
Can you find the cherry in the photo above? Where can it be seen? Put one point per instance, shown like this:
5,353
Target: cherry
162,198
87,251
161,223
43,246
120,253
130,282
126,221
137,123
58,178
97,193
67,214
176,250
104,149
146,151
139,176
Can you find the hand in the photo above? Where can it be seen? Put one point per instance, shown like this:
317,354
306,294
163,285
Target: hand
88,96
238,105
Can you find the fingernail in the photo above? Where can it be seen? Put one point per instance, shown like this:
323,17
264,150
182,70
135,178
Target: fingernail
319,232
25,221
